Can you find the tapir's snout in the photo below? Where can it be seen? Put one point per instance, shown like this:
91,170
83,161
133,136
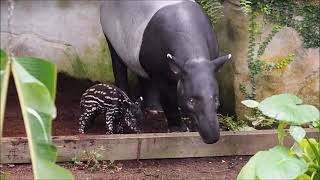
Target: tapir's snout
210,138
208,125
209,130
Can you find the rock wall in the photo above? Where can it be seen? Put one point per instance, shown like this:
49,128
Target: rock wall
299,77
66,32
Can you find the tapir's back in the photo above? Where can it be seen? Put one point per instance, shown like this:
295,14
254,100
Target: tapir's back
124,22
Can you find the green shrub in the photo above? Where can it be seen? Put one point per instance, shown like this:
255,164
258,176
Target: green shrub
302,160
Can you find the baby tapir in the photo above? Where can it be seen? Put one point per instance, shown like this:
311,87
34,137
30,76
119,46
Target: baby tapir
121,114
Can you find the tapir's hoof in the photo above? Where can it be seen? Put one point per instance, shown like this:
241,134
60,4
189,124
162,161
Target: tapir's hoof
182,128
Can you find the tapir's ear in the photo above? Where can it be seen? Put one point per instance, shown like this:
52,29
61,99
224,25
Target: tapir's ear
217,63
174,66
139,101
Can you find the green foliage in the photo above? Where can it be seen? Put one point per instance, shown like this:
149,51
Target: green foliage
3,59
275,163
288,108
309,27
246,90
256,65
316,124
263,46
213,8
308,150
92,160
297,132
35,80
301,16
257,118
302,160
232,124
250,103
4,81
284,62
285,108
34,77
260,121
281,132
29,85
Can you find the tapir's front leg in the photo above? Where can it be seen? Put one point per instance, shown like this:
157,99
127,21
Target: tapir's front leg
109,123
150,94
168,99
86,118
119,69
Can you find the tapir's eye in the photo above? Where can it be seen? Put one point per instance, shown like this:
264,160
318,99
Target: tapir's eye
192,103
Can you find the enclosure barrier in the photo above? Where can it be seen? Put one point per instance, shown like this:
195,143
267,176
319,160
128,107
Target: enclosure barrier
148,146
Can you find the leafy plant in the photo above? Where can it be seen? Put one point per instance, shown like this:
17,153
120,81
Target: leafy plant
308,150
300,16
92,160
260,121
232,124
213,8
303,159
35,80
303,17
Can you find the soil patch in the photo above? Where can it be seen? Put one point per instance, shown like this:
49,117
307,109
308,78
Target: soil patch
218,168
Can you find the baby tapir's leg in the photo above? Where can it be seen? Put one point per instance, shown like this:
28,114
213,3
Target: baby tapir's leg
111,119
109,123
87,115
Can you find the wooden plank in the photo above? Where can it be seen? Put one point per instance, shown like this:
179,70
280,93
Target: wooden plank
148,146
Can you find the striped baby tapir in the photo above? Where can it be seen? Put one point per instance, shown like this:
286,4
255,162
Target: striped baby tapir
121,114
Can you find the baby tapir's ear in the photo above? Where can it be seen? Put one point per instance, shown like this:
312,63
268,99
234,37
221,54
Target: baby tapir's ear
139,101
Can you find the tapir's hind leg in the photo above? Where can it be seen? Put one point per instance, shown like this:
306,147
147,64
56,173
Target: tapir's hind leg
119,69
150,93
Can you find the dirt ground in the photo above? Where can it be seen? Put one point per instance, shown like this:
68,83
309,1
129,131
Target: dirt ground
217,168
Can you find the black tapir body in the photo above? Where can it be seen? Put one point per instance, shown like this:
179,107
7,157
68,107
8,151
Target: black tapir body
171,46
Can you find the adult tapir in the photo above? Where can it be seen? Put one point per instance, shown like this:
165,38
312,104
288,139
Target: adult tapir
171,44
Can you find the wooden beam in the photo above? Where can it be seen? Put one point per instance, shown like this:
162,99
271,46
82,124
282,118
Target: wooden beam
148,146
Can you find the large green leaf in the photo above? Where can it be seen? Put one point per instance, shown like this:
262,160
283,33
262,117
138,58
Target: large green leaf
288,108
278,164
34,66
297,132
249,170
275,163
250,103
4,81
36,89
